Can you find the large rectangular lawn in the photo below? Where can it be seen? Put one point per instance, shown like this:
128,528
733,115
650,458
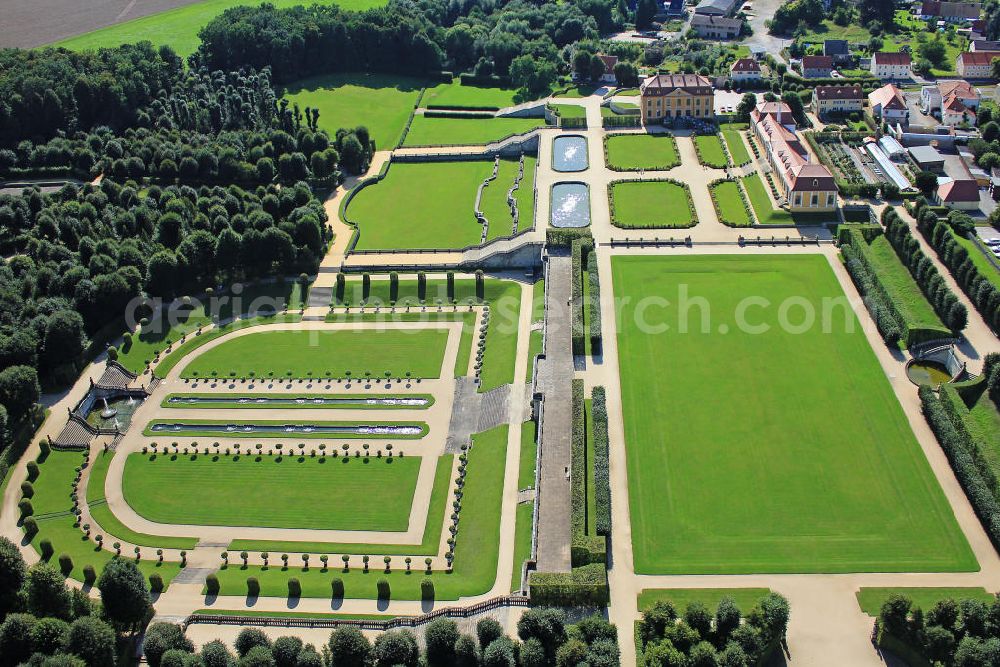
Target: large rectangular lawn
308,353
273,492
431,131
767,452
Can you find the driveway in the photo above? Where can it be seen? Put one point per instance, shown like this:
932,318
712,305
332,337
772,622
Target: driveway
763,10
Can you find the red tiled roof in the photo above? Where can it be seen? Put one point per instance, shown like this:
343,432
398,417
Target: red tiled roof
887,58
745,65
958,87
959,191
812,178
660,84
817,62
978,58
609,63
888,97
839,93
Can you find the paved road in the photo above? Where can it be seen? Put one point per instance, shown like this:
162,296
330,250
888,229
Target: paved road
763,10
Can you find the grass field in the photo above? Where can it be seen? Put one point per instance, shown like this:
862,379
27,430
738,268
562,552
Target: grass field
109,523
494,201
981,418
710,151
765,212
737,147
631,152
426,131
179,27
976,255
303,353
650,205
476,552
53,505
168,327
421,205
161,489
745,598
729,204
456,96
901,288
380,102
428,547
569,110
522,542
785,483
871,599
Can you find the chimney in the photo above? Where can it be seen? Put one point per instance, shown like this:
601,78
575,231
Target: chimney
780,106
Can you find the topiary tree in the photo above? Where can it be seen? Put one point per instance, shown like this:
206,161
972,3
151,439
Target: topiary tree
162,637
124,594
155,583
46,592
396,647
337,588
427,590
13,574
212,584
382,585
294,588
440,637
249,639
349,648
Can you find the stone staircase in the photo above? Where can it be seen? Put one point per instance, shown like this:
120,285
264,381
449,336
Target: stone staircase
320,297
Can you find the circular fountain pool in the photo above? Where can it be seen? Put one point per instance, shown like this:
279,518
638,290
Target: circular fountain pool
925,372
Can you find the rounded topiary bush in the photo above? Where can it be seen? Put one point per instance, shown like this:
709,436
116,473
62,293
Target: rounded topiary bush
212,584
384,592
294,588
155,583
337,586
89,574
65,564
427,589
30,526
253,586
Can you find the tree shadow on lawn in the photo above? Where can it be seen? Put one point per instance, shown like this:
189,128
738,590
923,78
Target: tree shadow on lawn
323,82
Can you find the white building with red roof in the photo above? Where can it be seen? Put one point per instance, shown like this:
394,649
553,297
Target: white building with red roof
892,66
805,186
609,67
888,104
745,69
976,64
961,194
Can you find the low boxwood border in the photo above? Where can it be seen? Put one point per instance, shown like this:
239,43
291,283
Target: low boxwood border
664,167
743,197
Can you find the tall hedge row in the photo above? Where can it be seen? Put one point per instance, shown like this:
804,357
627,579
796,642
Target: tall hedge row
576,249
879,306
584,548
594,320
586,585
983,294
932,284
602,477
958,450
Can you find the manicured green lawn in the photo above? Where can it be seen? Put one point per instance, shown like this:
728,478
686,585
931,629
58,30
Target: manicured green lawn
52,499
218,428
428,547
275,492
426,131
631,152
871,599
900,286
168,327
420,205
456,96
250,613
538,301
534,349
476,552
522,543
179,27
710,151
814,467
109,523
576,91
303,353
494,202
650,205
501,338
729,204
737,147
529,454
380,102
569,110
745,598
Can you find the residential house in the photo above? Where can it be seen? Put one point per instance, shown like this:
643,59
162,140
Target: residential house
954,113
716,27
838,49
745,69
888,104
976,64
817,67
676,96
933,97
804,186
892,66
961,194
983,45
609,68
838,99
717,7
953,12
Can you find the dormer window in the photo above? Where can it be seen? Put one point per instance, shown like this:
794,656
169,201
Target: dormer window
815,183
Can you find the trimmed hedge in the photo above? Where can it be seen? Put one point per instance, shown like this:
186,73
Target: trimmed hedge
576,250
621,121
467,107
925,274
583,586
584,549
718,208
563,238
594,302
457,114
958,450
602,478
883,311
980,290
